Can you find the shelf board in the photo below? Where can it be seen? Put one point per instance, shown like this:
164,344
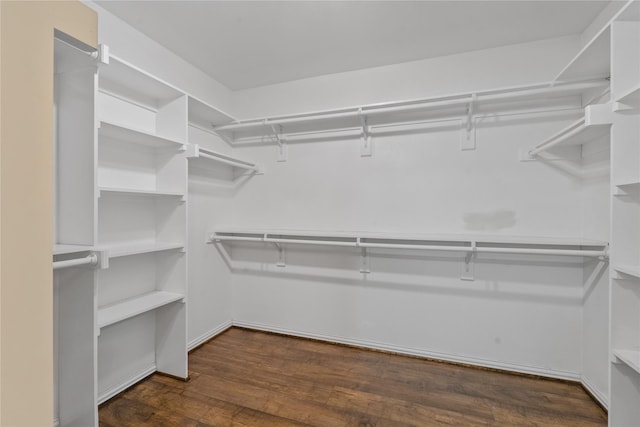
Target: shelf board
116,251
71,249
631,97
114,313
593,60
204,116
141,192
629,270
121,79
630,358
135,136
627,189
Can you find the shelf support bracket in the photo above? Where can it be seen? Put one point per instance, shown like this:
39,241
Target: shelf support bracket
366,150
281,262
365,262
283,154
468,136
470,264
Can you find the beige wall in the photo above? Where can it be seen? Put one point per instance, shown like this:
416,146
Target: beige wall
26,201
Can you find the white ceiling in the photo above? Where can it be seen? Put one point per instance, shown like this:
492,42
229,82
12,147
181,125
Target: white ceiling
245,44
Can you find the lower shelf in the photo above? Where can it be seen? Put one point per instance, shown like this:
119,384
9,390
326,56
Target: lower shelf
630,358
123,310
629,270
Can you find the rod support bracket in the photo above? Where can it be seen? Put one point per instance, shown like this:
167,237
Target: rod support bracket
281,254
365,262
469,273
468,135
366,150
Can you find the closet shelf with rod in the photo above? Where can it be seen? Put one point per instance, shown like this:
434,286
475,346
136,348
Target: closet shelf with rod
595,124
195,151
449,243
449,107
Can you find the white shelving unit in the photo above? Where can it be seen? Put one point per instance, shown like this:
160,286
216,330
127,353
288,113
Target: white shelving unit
625,224
365,119
74,238
141,193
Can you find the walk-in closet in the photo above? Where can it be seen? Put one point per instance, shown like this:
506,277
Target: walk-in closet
320,213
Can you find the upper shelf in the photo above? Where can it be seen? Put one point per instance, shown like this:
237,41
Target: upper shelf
450,243
593,60
463,106
195,151
204,116
124,80
135,136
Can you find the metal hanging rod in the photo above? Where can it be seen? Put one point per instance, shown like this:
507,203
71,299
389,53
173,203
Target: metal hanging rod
88,260
460,100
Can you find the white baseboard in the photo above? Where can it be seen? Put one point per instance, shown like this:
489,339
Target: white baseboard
595,392
122,387
207,336
573,376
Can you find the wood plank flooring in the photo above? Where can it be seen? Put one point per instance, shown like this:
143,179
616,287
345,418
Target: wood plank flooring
250,378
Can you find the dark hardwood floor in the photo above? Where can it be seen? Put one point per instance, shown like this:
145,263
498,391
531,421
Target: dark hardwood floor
249,378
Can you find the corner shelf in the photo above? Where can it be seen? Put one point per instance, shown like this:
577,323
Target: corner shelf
126,309
205,117
135,136
457,243
140,192
595,124
124,80
116,251
195,151
593,60
629,270
631,358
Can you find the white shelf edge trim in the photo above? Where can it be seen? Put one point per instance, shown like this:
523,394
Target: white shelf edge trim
629,270
435,244
126,309
141,192
195,151
462,100
630,358
117,251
